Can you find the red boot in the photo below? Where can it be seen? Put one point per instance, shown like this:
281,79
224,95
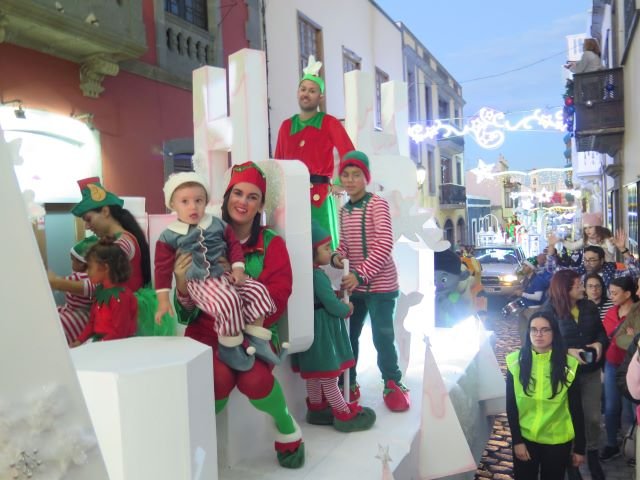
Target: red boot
396,396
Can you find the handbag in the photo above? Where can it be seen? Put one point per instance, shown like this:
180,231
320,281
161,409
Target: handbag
629,443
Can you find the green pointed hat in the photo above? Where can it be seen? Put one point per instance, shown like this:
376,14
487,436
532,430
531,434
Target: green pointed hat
311,72
80,249
94,196
319,236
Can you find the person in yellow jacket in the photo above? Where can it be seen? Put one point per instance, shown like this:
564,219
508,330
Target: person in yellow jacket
543,404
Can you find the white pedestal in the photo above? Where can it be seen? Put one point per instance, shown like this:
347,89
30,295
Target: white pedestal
151,402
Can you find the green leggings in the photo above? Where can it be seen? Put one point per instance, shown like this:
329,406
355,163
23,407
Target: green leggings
381,309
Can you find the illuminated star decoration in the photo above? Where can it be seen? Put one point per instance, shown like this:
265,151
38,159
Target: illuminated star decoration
483,171
487,127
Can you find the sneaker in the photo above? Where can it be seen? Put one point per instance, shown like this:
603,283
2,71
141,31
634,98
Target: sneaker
609,453
396,396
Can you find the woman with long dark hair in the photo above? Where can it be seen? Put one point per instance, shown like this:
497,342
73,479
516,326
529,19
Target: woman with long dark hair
103,213
543,404
623,295
584,335
596,291
267,261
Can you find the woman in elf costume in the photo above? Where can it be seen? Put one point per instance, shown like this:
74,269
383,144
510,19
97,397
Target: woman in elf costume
267,261
103,214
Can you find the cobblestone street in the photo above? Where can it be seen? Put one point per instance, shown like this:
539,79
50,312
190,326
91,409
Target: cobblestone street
497,460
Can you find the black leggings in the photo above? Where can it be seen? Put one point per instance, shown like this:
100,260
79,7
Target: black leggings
548,461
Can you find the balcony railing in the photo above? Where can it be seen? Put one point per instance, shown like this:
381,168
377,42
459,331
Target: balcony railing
452,195
599,106
453,144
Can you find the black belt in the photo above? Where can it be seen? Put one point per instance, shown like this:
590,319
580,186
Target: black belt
319,179
317,306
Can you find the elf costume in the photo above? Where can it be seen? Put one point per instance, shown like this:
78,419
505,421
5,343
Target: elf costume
366,240
329,355
312,142
232,305
113,314
267,262
74,314
95,196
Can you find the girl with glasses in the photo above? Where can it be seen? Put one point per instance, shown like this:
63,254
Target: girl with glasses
543,404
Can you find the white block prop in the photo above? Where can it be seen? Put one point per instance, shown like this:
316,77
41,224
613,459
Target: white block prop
41,404
151,401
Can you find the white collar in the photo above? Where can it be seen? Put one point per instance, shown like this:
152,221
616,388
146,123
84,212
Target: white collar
182,228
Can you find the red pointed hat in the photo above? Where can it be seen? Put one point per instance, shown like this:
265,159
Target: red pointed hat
248,172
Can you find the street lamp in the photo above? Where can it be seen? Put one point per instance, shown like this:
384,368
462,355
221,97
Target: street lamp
421,174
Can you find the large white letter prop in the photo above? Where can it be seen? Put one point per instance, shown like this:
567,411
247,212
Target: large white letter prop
44,423
249,106
211,126
151,401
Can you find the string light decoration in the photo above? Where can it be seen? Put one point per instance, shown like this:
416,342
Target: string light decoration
488,127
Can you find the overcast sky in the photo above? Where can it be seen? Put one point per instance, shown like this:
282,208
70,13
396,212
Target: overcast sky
476,39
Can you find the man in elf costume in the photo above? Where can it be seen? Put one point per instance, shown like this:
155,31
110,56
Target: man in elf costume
310,136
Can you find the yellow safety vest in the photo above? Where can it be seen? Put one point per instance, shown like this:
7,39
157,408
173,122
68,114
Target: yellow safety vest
543,420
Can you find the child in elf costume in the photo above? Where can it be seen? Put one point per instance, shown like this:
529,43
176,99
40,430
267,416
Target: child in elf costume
74,314
366,239
115,310
330,354
311,136
236,302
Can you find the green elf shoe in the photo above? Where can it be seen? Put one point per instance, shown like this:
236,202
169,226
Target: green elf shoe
356,419
319,413
290,448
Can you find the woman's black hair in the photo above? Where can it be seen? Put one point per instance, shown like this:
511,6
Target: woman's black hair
255,225
129,223
558,357
107,252
628,284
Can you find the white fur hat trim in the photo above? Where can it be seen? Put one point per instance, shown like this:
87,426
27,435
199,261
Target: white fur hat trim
177,179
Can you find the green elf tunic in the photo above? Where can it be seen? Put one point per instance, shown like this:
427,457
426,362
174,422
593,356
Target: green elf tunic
312,142
330,354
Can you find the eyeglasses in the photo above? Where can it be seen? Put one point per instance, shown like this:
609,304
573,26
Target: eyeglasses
542,331
592,260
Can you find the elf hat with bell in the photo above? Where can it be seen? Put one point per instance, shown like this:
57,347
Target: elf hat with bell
356,158
248,172
175,180
94,195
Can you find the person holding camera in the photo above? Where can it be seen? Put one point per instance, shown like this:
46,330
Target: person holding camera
585,337
623,295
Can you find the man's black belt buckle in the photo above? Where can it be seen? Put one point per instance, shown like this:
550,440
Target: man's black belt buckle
319,179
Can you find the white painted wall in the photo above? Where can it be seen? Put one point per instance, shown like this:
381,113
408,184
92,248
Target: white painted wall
355,24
